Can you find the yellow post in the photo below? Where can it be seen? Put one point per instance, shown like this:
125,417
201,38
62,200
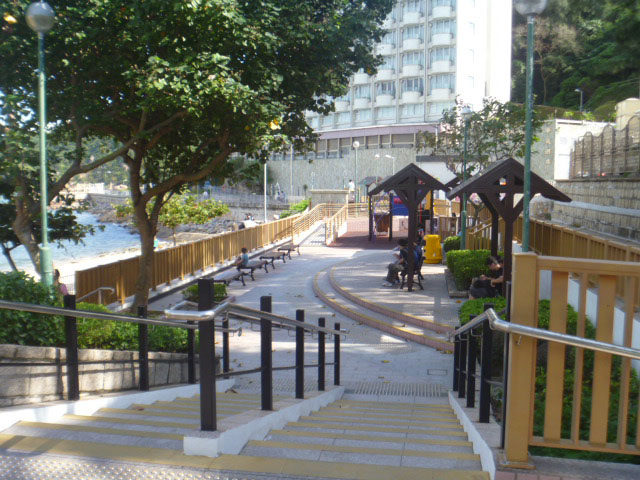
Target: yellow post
522,351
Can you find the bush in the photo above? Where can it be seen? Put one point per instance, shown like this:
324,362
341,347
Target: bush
25,328
191,293
296,208
451,243
467,264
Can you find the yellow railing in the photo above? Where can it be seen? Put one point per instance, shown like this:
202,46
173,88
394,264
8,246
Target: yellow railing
182,260
602,424
335,224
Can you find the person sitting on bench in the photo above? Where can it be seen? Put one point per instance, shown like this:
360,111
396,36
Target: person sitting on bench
394,268
487,286
243,259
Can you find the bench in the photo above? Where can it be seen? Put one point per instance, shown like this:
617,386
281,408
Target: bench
416,271
229,276
273,256
288,248
253,266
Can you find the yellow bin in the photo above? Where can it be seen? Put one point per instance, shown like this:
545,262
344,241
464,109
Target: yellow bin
432,249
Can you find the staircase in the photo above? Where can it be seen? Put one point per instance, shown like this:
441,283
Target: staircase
370,440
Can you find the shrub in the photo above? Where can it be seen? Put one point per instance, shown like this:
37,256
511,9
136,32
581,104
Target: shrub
25,328
105,334
467,264
451,243
296,208
191,293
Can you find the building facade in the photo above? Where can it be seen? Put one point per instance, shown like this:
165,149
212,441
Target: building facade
434,52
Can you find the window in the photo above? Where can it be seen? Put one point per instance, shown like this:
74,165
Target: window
412,85
362,91
389,38
443,3
386,112
413,109
442,81
326,120
388,63
471,56
443,26
416,31
314,122
363,115
385,88
470,82
343,117
442,54
344,98
413,58
437,108
472,28
413,6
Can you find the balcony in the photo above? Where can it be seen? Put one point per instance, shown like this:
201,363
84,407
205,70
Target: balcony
360,103
441,39
360,79
438,94
412,18
412,70
412,44
384,100
385,49
342,105
441,12
442,66
411,97
385,75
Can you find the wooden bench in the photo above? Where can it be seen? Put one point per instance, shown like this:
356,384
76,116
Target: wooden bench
229,276
416,272
288,248
253,266
273,256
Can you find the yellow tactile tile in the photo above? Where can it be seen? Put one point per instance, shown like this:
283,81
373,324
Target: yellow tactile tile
365,450
108,431
189,408
369,438
341,426
432,423
132,421
151,413
337,412
388,408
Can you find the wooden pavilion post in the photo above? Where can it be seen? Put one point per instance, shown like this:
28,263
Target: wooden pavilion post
370,218
390,216
431,214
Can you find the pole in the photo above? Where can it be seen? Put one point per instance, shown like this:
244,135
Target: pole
355,179
291,172
265,192
46,268
463,210
528,135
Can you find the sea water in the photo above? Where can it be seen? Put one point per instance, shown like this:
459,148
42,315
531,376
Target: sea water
114,238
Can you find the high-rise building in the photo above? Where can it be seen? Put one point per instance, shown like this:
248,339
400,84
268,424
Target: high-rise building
434,52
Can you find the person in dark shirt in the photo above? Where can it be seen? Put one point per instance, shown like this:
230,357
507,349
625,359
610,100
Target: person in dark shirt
401,260
490,285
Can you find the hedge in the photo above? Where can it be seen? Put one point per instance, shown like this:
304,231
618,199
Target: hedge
467,264
451,243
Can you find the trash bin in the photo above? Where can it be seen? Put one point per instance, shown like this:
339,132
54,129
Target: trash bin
432,249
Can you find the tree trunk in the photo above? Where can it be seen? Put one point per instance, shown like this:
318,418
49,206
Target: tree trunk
21,226
7,254
147,231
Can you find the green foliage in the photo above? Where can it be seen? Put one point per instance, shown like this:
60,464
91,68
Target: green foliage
467,264
25,328
296,208
191,293
452,243
495,132
475,307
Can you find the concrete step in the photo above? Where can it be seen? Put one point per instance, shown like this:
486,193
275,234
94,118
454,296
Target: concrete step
381,321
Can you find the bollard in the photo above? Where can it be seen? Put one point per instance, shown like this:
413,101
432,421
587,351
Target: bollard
336,356
143,351
266,356
71,343
321,355
208,421
300,356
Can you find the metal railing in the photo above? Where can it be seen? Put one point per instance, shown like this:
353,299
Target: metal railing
209,318
335,225
99,291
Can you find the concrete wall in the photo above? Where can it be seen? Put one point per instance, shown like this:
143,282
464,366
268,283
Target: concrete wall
24,384
329,196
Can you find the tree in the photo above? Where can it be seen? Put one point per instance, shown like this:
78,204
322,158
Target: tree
181,210
495,132
181,86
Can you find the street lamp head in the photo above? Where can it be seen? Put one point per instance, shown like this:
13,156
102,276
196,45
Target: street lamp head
377,156
356,144
389,156
466,112
579,90
530,7
40,17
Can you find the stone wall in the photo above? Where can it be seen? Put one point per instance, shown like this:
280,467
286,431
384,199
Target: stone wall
609,206
33,384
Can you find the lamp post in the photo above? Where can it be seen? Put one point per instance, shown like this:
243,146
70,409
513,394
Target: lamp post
581,96
466,116
528,8
393,164
40,18
356,144
265,191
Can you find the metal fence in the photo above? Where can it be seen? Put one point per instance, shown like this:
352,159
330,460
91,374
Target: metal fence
612,153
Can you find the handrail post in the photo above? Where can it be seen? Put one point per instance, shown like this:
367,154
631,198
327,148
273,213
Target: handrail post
266,356
299,356
71,343
471,369
191,355
485,369
321,355
505,369
207,358
456,360
225,346
336,356
462,360
143,350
